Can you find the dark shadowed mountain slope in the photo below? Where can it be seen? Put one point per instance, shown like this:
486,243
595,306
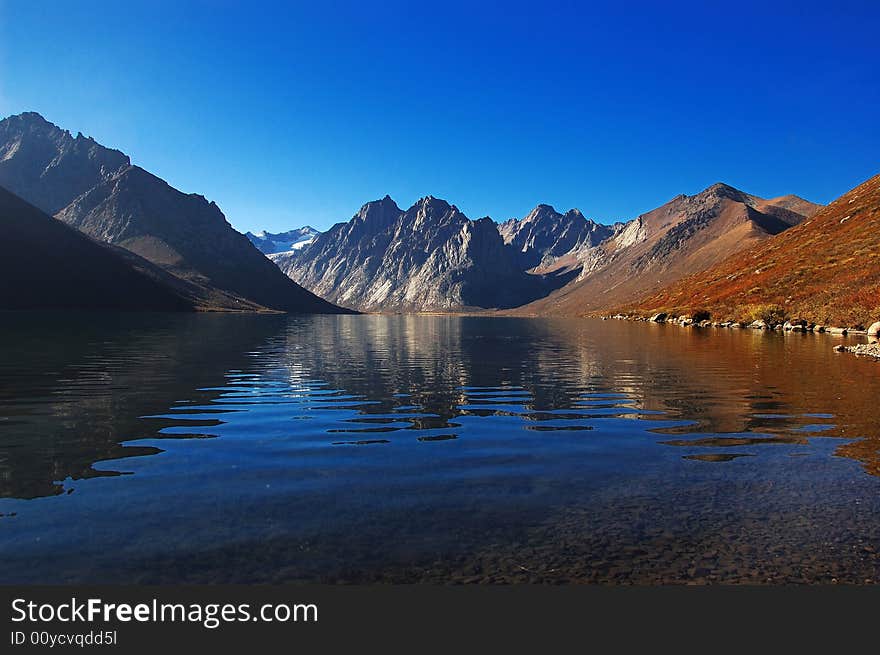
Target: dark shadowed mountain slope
825,270
45,264
187,236
686,235
430,257
97,191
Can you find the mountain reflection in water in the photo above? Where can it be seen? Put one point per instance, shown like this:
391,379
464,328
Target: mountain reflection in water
410,448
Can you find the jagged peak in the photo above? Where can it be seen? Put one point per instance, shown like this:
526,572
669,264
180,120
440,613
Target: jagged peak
540,211
30,122
433,205
377,208
432,201
381,202
31,117
35,119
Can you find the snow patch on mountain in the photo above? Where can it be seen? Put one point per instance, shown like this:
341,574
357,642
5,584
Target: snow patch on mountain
292,240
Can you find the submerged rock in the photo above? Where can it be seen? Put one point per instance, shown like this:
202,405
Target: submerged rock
862,349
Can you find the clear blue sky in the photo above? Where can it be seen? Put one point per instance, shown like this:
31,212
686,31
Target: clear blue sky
292,115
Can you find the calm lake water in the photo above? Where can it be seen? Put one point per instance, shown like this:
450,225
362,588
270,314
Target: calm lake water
218,448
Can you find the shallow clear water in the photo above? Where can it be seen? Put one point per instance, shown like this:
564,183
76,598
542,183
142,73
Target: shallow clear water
218,448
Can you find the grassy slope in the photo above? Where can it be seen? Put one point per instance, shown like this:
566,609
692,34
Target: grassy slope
826,270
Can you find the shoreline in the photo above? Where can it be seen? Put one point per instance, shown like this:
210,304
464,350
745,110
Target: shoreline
870,349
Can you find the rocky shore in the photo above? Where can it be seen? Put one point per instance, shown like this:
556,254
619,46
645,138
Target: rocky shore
862,349
703,320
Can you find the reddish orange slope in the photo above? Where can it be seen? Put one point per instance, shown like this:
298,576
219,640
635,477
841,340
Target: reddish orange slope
826,270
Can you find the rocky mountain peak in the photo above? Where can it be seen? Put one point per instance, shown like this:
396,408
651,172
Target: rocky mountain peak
430,212
30,116
380,212
30,126
545,236
722,190
46,166
432,205
30,120
429,257
541,212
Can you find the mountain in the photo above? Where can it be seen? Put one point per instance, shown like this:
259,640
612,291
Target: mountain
48,167
270,244
45,264
99,192
187,236
686,235
547,239
825,270
429,257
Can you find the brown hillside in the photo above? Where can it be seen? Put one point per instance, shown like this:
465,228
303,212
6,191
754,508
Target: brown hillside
686,235
826,270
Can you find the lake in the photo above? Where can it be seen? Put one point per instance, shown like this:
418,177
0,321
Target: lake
268,448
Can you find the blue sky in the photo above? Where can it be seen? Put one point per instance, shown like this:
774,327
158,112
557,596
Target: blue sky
289,114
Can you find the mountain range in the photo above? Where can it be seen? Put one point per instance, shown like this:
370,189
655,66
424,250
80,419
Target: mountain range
430,257
99,192
686,235
80,214
548,240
